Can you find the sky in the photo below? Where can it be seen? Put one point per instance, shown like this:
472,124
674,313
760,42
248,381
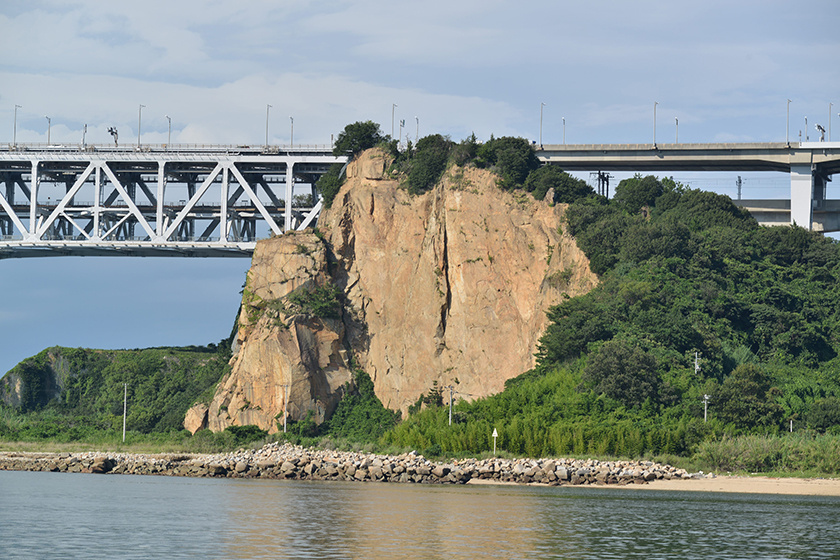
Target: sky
724,70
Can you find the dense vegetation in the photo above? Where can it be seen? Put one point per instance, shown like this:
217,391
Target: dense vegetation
162,383
682,271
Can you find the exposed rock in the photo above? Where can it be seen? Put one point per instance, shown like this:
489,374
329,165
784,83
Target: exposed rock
449,285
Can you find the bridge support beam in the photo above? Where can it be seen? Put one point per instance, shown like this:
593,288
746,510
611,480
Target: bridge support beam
802,195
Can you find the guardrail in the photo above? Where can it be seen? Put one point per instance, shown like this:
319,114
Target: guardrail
148,148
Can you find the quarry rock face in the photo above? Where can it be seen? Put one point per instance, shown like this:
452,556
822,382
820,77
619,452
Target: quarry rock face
285,359
450,286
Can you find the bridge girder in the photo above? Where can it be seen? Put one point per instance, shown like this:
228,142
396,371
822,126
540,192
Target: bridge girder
809,164
123,203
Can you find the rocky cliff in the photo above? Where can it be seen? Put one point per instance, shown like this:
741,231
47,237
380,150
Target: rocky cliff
450,287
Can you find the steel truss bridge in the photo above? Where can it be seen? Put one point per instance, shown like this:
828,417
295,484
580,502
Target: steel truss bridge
155,200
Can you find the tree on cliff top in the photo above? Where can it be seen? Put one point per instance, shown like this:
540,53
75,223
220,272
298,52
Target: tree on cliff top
357,137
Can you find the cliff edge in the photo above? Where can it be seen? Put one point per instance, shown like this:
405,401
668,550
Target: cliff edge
450,286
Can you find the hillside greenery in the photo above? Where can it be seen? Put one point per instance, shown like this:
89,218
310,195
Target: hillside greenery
162,383
683,274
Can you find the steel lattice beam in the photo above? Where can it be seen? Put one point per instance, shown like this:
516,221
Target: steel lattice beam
231,196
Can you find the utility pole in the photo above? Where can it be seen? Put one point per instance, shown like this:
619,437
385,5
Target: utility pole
451,391
705,408
285,402
125,406
738,183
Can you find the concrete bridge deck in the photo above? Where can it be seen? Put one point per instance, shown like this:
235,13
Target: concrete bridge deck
810,165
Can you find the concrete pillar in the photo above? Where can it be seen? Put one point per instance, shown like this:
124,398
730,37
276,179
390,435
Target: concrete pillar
290,187
801,195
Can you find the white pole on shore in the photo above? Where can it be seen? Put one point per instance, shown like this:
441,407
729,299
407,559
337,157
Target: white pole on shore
125,406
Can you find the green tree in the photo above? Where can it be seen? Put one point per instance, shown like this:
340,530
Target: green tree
637,192
330,183
567,189
428,163
622,372
746,399
357,137
824,414
512,158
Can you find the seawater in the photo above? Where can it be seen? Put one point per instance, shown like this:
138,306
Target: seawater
56,515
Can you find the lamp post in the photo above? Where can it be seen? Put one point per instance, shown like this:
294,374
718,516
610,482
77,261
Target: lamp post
787,128
655,103
267,107
139,122
541,121
292,134
564,130
677,123
393,106
14,131
49,126
169,136
830,105
417,131
807,138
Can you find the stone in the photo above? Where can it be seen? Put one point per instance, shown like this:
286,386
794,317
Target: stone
440,471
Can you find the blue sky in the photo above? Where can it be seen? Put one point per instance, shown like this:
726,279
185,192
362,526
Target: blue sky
725,69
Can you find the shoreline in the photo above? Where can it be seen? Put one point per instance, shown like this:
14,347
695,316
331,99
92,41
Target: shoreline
276,461
752,485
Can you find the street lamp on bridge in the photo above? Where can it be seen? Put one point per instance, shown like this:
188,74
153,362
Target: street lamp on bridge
169,137
139,122
541,121
787,128
267,107
49,125
14,131
292,135
655,103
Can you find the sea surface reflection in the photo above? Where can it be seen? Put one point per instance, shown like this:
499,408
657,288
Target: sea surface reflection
56,515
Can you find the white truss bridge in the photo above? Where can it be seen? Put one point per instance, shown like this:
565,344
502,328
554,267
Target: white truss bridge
155,200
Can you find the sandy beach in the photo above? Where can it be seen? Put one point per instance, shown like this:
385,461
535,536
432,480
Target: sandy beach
749,484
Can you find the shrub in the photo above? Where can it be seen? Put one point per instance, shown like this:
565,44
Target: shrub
428,163
330,183
567,189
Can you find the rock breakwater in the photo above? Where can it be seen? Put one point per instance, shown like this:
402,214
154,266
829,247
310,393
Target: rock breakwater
286,461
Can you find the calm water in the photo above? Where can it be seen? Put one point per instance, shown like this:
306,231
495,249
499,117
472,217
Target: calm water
54,515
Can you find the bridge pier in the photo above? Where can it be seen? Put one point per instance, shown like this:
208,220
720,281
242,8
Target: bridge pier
807,193
801,195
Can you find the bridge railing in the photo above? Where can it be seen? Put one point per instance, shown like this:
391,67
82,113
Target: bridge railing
147,148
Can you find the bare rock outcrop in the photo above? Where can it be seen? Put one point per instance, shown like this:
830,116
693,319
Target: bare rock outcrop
286,357
450,286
